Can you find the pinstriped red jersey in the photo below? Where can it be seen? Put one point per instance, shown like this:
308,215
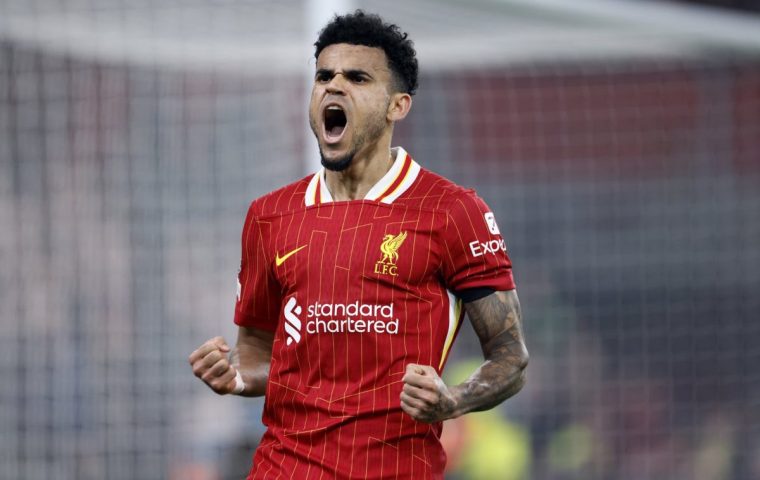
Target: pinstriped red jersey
354,291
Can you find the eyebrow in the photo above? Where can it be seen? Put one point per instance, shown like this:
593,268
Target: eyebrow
346,73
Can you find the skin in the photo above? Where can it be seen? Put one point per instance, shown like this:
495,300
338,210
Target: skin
251,356
496,319
357,78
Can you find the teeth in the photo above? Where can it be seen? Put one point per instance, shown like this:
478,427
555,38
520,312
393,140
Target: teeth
334,107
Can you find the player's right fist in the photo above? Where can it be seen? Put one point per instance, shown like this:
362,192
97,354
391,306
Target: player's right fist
210,364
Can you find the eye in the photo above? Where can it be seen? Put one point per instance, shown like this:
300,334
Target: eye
322,77
357,77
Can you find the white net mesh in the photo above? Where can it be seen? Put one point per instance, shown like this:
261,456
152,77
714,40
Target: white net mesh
134,134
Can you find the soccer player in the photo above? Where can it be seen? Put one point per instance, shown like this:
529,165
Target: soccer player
354,282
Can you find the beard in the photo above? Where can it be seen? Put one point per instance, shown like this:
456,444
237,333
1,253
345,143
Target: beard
339,164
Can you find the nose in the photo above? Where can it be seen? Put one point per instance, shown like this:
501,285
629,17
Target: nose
336,85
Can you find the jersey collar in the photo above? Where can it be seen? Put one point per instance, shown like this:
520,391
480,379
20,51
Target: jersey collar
394,183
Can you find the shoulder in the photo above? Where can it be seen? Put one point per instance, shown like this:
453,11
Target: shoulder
435,192
287,198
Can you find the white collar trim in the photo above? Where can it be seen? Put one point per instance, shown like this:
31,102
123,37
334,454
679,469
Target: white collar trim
394,183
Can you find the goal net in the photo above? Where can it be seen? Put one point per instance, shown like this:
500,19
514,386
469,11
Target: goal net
622,163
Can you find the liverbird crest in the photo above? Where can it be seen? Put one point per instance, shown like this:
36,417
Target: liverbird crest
390,246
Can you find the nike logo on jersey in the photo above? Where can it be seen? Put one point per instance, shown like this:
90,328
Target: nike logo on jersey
279,260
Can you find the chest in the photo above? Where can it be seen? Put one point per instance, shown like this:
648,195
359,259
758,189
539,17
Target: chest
345,246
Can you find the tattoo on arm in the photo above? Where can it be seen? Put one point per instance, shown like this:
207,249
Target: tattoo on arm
496,319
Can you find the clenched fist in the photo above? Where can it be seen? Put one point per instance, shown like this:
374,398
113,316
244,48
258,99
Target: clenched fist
211,365
425,397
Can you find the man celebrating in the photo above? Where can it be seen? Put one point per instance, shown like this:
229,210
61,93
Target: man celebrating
354,282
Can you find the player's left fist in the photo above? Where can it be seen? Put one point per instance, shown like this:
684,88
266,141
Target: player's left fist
424,396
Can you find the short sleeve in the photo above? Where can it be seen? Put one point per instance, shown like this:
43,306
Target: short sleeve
258,293
475,252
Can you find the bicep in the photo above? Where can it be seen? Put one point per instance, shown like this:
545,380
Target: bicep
497,321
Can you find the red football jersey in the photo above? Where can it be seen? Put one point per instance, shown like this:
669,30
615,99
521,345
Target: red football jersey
355,291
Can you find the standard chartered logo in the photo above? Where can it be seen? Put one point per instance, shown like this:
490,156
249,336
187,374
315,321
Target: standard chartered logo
292,322
353,317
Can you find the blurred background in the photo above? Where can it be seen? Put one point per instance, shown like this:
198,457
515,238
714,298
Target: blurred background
618,143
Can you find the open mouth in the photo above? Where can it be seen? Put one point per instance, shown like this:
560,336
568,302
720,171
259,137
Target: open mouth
335,123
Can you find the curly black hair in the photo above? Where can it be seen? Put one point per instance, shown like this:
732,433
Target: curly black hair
360,28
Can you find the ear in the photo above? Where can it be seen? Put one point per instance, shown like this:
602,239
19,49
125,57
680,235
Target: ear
399,106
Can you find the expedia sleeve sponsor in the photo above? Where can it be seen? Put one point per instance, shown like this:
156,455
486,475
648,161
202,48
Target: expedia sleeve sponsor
475,254
489,247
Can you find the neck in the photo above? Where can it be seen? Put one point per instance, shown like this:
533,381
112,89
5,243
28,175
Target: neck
366,169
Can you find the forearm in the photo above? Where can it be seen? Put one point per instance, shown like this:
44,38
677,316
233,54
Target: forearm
497,321
251,357
426,398
253,367
498,378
